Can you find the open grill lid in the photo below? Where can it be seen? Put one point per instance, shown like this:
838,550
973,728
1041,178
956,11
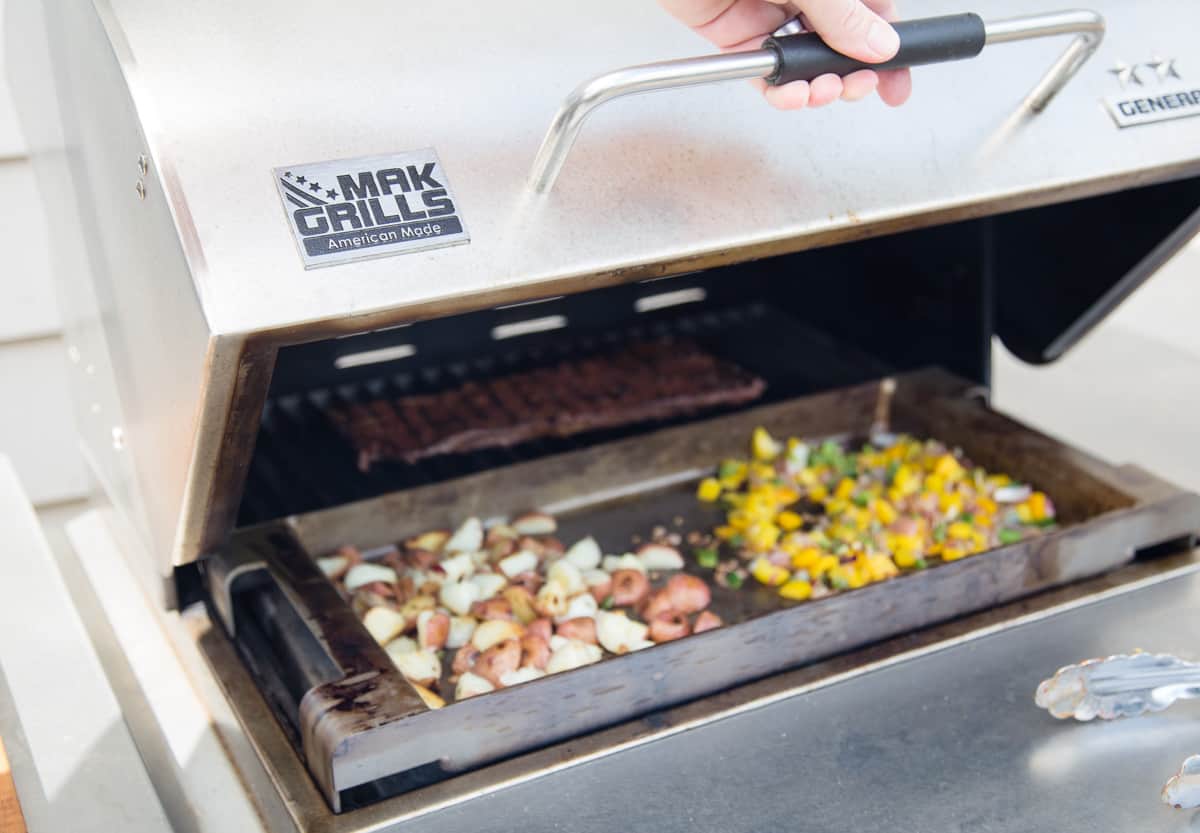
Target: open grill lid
656,184
188,283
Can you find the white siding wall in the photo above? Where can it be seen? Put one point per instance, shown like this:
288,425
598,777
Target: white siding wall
35,412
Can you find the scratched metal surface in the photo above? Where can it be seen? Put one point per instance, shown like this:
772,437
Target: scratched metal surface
946,742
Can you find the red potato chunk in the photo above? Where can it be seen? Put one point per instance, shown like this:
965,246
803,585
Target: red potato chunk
582,628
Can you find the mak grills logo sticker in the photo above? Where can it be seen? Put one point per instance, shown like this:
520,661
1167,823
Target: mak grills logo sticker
377,206
1151,92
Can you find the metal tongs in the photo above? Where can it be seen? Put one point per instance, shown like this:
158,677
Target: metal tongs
1127,685
791,54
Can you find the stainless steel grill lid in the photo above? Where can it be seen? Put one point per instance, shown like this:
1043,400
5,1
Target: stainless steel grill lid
182,121
226,96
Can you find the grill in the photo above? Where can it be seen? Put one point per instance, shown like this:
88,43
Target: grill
219,311
302,463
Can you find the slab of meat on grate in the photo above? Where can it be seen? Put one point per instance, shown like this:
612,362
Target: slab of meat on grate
645,381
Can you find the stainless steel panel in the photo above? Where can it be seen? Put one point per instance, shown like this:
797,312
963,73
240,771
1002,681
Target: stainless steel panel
953,725
948,741
137,339
677,179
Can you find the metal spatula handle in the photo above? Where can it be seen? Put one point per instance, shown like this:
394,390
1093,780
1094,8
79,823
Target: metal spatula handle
1125,685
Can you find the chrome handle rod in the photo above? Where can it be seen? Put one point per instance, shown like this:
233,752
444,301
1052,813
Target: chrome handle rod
763,63
665,75
1088,26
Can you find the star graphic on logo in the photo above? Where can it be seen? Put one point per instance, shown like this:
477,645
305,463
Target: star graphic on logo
287,174
301,180
1126,74
315,187
1164,68
331,194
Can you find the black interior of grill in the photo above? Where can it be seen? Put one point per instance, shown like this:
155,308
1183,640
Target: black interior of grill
803,322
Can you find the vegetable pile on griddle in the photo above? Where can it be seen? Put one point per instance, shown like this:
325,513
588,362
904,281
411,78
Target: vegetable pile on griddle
813,520
511,603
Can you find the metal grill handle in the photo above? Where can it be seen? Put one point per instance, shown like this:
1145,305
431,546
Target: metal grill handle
793,57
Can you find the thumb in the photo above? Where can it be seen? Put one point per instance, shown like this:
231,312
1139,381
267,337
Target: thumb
852,29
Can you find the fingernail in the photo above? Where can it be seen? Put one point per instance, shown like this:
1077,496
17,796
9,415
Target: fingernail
883,40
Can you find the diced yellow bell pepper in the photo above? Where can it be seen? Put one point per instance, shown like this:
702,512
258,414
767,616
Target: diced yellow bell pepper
1024,513
732,473
953,553
789,520
960,531
885,512
762,537
824,565
907,480
935,483
797,590
836,506
839,532
949,468
1037,506
761,472
818,493
767,573
725,532
764,446
951,503
985,505
905,556
857,577
880,567
806,558
760,505
861,518
844,489
709,489
740,519
785,496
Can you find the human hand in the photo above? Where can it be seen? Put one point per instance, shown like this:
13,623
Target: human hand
853,27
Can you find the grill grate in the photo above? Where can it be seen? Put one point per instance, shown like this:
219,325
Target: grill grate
301,463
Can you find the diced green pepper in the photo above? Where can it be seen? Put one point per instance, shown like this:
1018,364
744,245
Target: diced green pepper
890,473
939,533
1010,536
862,499
706,557
728,468
839,583
734,580
608,602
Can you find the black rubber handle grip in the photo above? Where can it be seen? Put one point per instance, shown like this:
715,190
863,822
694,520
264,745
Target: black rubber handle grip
931,40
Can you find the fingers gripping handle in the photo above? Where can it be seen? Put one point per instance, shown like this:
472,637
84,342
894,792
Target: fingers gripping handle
786,58
933,40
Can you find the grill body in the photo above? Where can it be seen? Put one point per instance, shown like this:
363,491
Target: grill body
819,251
